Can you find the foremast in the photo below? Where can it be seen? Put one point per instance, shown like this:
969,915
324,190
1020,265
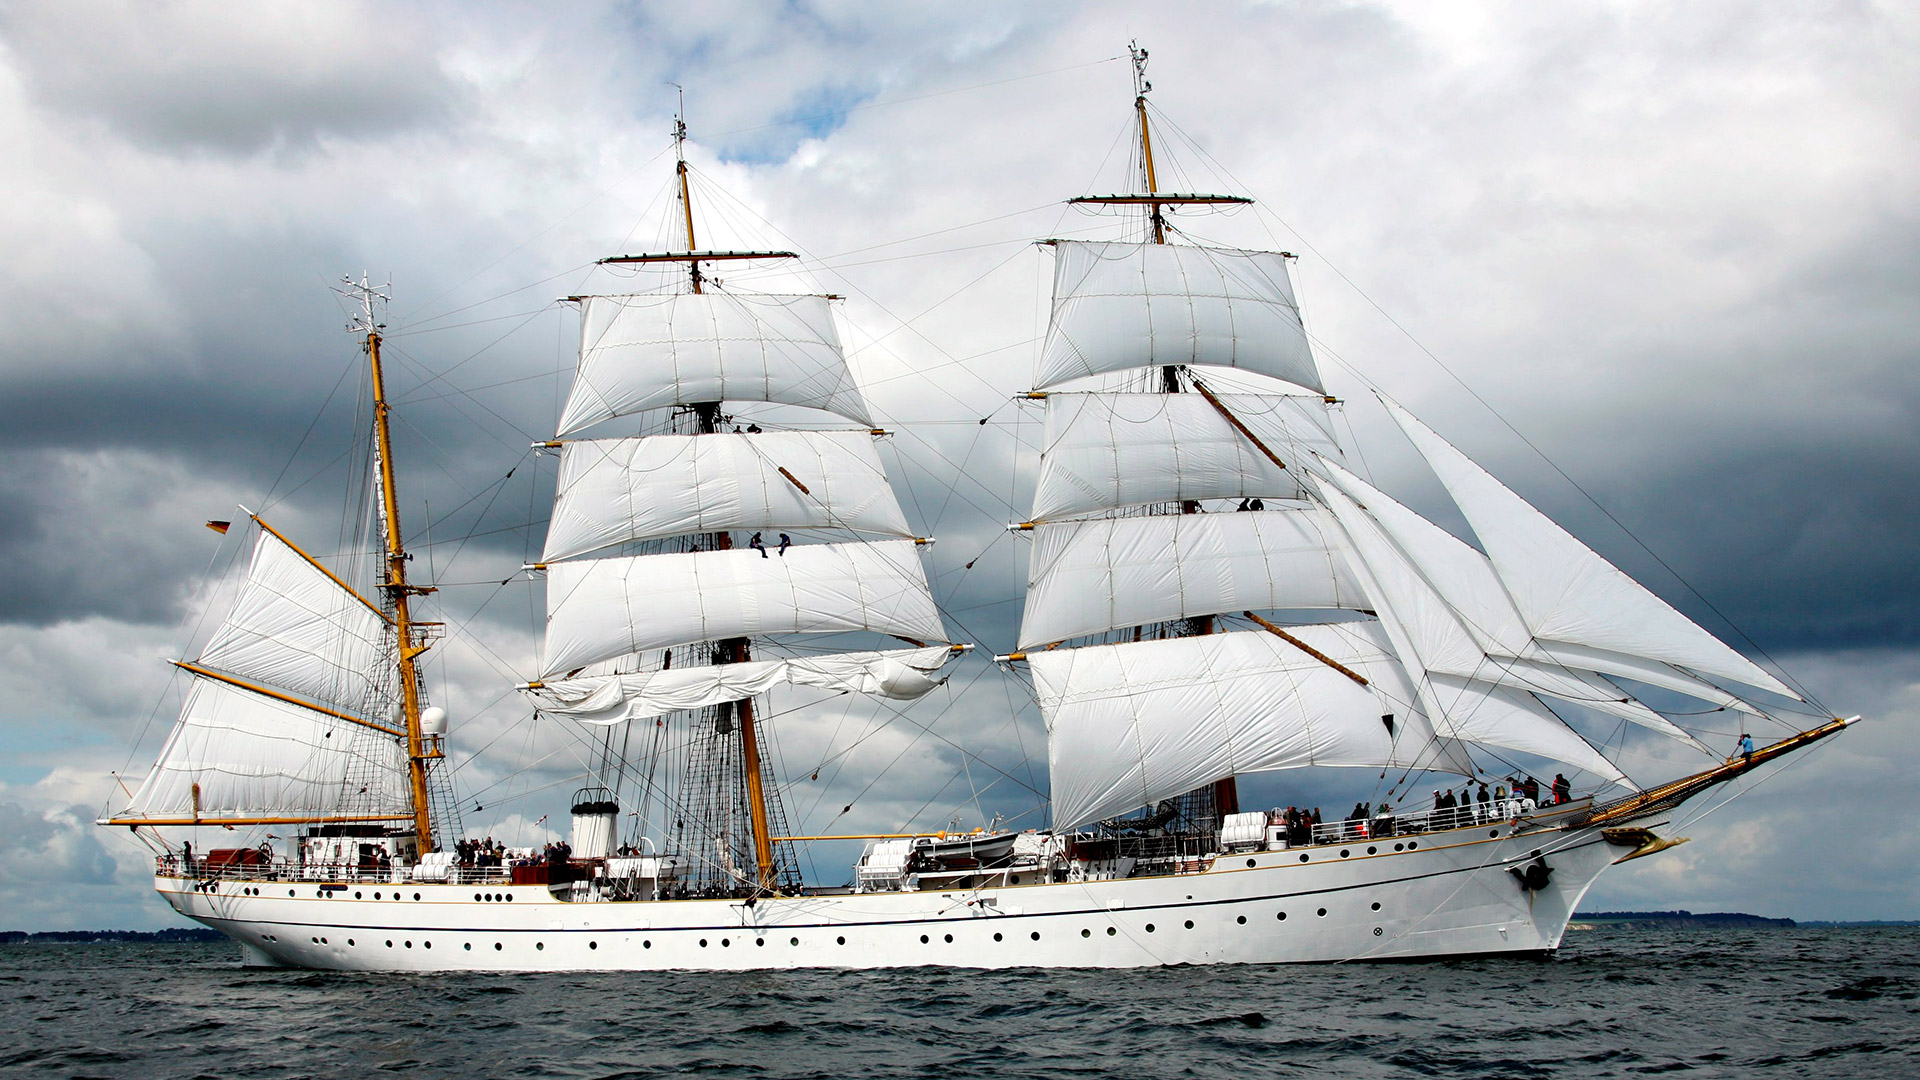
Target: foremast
410,637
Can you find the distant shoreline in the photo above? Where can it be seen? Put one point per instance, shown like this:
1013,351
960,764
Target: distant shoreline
178,935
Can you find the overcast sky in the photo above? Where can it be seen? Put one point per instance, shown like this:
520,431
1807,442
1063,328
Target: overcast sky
1674,246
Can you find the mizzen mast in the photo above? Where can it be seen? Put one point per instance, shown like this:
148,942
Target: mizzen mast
409,635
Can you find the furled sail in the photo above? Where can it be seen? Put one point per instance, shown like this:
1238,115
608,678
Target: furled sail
1119,306
1562,588
651,351
1103,451
899,674
1090,576
601,609
1131,724
235,754
294,628
612,491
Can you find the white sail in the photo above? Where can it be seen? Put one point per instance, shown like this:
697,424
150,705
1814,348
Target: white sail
1087,577
1488,713
1121,306
253,756
1102,451
611,491
1131,724
650,351
600,609
898,674
1562,588
1640,669
296,629
1428,602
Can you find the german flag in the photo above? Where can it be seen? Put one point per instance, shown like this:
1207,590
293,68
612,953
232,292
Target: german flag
220,527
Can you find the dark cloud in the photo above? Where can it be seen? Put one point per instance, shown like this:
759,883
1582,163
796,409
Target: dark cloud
201,78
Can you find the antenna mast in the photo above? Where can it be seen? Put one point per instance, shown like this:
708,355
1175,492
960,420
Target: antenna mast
409,635
680,166
1141,87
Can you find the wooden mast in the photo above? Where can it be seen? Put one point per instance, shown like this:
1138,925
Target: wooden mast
407,633
707,415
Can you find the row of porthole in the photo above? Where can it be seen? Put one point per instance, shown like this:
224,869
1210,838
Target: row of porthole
924,939
492,897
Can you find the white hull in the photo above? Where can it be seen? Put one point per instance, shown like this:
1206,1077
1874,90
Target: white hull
1446,894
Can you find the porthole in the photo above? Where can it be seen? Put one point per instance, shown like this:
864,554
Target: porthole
1373,851
376,896
416,896
1281,917
476,898
996,935
591,945
289,892
1411,844
1303,856
426,944
1323,913
1084,932
409,944
923,939
1250,862
1344,853
1036,935
1149,928
1015,879
726,943
948,938
496,946
1189,924
315,940
389,944
1111,931
840,940
323,941
1493,832
1376,905
509,898
1377,931
795,942
539,946
468,946
1242,920
349,941
760,941
646,944
1399,847
703,943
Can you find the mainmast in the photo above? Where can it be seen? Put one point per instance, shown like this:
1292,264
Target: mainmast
707,422
409,635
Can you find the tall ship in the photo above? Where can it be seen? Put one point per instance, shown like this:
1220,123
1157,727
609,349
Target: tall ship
1212,594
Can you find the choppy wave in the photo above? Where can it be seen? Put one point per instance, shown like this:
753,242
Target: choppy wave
1705,1003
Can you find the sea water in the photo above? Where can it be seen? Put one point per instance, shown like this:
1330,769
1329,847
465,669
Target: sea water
1613,1003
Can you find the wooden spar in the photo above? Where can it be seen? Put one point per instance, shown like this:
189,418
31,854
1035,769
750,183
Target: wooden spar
1308,649
1221,408
794,480
1678,791
1162,199
315,563
330,819
1146,161
400,593
686,198
694,256
209,673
